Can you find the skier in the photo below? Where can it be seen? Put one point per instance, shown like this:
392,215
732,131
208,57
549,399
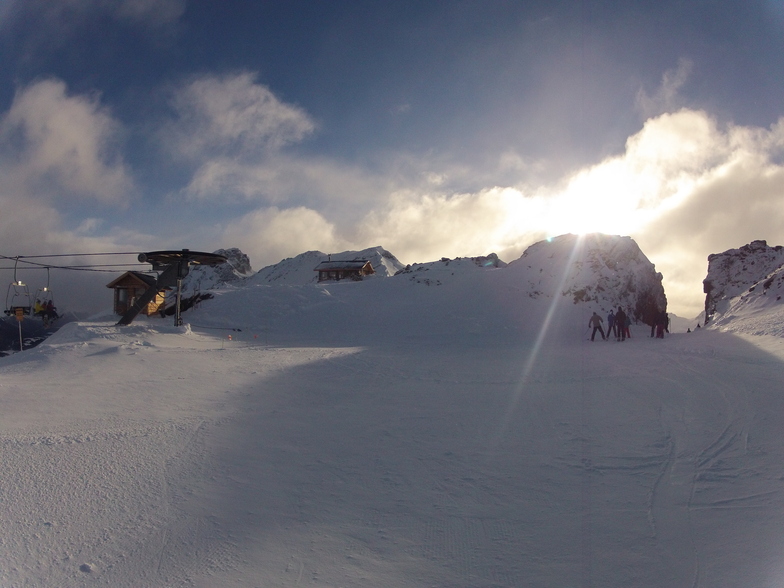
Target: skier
620,321
596,322
661,324
610,324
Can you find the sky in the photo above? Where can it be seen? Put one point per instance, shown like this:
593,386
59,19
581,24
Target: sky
432,128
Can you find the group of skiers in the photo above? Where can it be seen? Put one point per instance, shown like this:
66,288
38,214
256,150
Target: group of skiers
47,311
618,324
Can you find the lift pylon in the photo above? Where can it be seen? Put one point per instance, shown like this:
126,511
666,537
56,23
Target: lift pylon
174,266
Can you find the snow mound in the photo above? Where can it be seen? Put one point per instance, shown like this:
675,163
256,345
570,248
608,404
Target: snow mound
434,272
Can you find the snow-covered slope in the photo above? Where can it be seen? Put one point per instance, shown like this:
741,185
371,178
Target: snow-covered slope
759,310
397,432
597,271
300,269
734,271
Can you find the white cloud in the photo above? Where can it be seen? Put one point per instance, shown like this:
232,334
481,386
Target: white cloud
417,227
666,97
281,179
271,234
233,116
52,143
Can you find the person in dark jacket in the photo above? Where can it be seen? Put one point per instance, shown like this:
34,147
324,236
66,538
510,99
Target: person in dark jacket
620,321
661,324
610,324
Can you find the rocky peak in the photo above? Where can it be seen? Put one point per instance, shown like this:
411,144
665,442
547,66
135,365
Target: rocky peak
603,271
734,271
201,278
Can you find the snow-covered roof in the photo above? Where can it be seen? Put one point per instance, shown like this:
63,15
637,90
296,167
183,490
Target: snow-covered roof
147,279
355,264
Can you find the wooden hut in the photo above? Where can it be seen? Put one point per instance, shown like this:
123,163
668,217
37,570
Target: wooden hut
129,287
341,270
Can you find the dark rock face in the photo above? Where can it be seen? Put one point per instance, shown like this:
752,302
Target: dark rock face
238,263
604,271
202,277
734,271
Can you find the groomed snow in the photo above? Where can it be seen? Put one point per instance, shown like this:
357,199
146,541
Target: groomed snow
391,433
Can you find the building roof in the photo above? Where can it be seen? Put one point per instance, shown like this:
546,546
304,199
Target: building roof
147,279
355,264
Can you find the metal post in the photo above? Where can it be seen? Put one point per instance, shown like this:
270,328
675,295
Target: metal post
177,317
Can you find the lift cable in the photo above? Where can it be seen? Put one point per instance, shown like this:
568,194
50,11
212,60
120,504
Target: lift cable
85,268
70,255
92,267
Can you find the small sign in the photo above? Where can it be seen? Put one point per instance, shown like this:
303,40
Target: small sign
19,312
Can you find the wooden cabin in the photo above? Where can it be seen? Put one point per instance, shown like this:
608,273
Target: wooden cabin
129,287
342,270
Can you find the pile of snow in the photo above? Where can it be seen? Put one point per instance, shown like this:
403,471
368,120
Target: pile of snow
434,272
734,271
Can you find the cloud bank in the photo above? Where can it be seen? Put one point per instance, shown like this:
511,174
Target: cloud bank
53,143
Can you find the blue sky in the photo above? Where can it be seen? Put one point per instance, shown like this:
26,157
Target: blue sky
449,128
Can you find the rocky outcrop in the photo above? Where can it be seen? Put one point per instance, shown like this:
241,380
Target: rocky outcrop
604,271
200,278
735,271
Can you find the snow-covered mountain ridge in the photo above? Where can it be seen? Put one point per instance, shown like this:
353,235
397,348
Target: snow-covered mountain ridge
300,269
745,290
735,271
600,272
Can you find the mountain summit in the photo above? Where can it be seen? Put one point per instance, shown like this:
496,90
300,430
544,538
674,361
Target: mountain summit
603,271
734,271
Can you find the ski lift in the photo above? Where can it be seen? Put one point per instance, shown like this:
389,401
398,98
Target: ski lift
44,300
17,298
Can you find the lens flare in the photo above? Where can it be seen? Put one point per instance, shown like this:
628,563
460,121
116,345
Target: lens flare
533,355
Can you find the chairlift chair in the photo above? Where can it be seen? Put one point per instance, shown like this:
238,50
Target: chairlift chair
18,296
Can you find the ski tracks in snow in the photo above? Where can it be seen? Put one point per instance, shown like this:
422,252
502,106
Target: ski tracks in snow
706,414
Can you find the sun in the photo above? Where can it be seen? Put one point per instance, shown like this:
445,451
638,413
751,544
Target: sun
602,199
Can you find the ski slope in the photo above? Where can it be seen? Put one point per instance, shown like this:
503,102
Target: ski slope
396,433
